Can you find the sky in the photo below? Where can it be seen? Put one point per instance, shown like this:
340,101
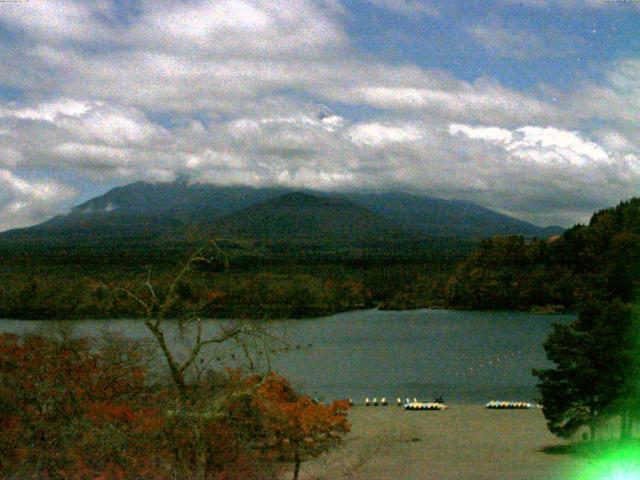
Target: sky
528,107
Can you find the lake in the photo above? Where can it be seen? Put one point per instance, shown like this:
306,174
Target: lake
466,357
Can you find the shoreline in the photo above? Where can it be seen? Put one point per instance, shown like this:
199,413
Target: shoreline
465,442
303,318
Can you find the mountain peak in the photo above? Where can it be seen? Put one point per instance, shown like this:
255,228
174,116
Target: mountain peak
175,206
303,216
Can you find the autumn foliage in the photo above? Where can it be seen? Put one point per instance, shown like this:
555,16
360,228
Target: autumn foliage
68,411
297,428
75,408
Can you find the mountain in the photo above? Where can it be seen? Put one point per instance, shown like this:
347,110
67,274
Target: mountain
189,202
170,210
301,216
82,226
438,217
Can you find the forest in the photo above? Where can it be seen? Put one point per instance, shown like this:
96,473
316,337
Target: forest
275,280
598,260
596,358
295,280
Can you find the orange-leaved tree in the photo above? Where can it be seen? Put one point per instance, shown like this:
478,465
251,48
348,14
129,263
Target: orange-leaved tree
83,409
293,426
71,409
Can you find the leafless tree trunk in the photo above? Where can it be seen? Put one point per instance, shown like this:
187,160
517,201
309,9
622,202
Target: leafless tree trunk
155,312
156,308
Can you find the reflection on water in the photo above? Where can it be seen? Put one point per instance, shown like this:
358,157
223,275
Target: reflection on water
463,356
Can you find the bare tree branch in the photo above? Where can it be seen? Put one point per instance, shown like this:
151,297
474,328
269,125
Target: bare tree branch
141,302
158,306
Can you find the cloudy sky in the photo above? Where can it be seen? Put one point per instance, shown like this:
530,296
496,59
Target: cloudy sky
530,107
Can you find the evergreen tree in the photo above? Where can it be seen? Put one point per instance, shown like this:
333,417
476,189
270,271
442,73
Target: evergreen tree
594,363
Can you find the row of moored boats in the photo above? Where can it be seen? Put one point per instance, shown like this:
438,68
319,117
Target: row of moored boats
439,405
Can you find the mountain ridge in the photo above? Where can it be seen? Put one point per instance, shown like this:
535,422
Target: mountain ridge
169,209
301,216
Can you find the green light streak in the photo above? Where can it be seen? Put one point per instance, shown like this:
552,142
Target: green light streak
621,463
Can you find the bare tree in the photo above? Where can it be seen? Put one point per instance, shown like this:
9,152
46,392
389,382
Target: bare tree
159,307
197,409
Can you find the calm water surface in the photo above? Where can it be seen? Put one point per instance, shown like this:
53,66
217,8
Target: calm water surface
466,357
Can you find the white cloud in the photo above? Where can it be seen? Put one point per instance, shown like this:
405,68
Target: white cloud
378,135
212,159
633,163
49,112
219,64
239,85
398,97
551,145
543,145
24,202
320,179
111,125
491,134
614,140
240,27
54,21
616,100
547,175
455,99
79,151
332,122
176,55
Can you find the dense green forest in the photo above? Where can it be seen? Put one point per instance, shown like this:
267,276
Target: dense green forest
292,279
244,279
598,260
596,358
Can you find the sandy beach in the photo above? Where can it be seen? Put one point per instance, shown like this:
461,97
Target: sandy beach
465,442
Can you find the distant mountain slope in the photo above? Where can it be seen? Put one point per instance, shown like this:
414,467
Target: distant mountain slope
100,226
158,210
301,216
193,202
439,217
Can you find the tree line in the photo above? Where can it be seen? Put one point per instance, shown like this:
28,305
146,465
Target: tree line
594,261
292,291
596,372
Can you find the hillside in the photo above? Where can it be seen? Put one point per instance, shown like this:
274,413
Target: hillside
169,211
190,201
600,259
82,227
439,217
303,217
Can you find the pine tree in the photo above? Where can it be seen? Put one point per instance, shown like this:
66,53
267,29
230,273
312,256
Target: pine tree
596,364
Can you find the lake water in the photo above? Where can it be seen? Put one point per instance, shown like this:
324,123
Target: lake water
466,357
